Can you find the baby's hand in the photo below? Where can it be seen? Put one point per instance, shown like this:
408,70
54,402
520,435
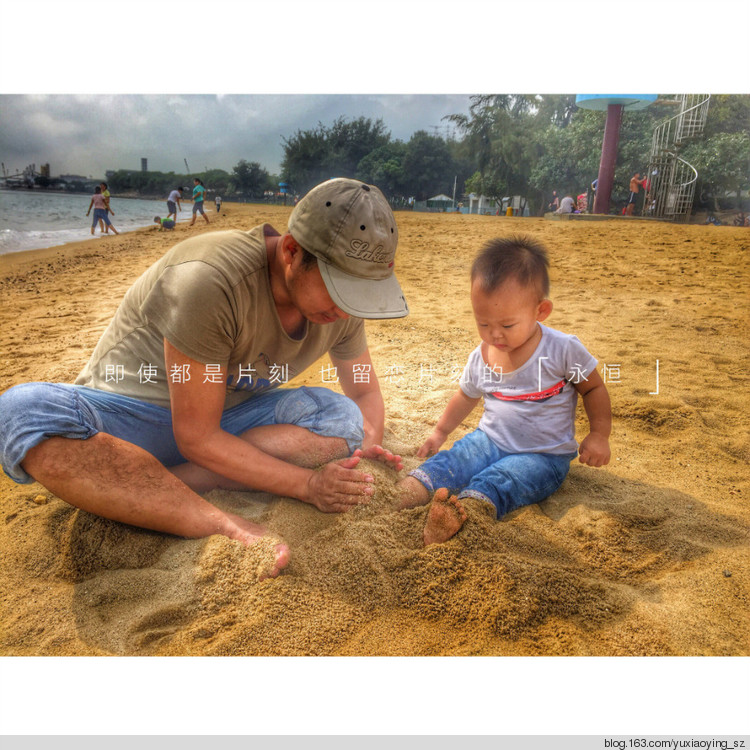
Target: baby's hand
594,450
432,444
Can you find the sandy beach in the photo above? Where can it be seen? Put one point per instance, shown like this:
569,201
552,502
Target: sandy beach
647,556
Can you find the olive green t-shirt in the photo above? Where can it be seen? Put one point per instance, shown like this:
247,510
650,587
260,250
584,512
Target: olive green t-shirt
210,297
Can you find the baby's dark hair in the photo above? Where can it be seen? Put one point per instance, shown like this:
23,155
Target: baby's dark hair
521,258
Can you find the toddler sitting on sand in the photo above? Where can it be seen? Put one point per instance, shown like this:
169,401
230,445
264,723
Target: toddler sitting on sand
529,376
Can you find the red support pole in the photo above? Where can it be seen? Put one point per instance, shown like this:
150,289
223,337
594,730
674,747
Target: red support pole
606,175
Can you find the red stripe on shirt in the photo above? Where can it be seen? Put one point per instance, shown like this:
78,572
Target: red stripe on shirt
538,396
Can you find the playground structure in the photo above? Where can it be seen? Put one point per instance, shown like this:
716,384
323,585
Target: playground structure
670,179
613,105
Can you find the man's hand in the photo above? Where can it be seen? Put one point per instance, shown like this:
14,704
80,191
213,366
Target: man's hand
594,450
378,453
337,486
432,444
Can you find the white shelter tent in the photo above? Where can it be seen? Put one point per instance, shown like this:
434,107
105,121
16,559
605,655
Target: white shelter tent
481,204
440,201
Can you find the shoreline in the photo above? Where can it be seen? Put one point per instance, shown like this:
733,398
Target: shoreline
80,233
11,261
15,260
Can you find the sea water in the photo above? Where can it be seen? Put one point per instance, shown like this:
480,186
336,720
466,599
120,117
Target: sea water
31,219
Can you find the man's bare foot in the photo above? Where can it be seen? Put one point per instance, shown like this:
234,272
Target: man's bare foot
250,533
444,519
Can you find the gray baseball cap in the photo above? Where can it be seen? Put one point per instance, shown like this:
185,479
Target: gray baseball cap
350,228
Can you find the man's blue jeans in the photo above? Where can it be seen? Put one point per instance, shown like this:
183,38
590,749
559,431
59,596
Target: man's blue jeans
476,467
33,412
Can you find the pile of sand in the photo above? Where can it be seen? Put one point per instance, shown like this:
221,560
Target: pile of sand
646,556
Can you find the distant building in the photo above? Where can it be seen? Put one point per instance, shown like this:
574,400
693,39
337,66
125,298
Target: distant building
441,201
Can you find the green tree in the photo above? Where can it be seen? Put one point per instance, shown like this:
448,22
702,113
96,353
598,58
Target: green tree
249,179
502,134
428,166
305,156
554,109
722,163
150,184
384,167
311,156
350,142
728,113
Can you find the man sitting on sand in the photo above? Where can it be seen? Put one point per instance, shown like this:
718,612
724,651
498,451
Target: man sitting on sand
529,377
181,393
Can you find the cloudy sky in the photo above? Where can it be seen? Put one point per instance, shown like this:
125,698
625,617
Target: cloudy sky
89,134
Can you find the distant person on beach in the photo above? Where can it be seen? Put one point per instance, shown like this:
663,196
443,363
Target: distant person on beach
182,393
567,206
164,223
554,203
218,204
199,194
100,210
635,187
173,202
529,377
105,193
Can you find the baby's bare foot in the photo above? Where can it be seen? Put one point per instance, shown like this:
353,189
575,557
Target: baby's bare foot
444,519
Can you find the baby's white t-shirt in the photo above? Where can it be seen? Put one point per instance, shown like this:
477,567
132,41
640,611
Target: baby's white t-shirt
532,409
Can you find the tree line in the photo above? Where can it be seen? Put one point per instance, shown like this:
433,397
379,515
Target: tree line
246,181
531,145
527,145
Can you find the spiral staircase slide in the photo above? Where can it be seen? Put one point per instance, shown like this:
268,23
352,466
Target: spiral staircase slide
671,181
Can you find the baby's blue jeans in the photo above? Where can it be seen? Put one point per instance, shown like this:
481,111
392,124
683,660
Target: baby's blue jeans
476,467
33,412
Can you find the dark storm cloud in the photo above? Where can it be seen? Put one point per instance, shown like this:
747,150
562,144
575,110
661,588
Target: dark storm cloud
91,134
